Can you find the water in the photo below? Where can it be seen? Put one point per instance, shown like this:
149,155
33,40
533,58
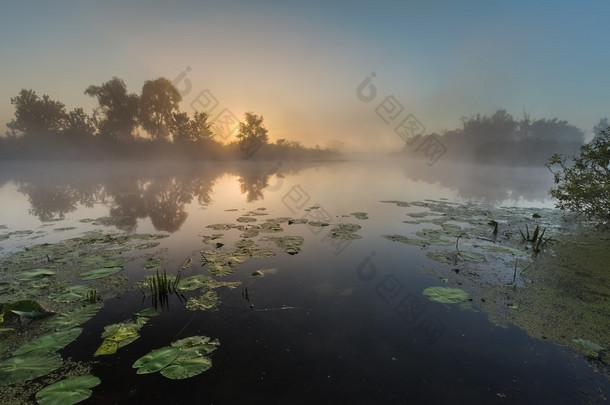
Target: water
339,321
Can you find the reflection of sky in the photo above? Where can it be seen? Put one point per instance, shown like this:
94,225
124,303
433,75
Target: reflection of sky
298,63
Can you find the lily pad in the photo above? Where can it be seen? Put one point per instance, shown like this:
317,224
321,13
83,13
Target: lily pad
360,215
25,308
69,391
118,335
187,367
100,273
345,232
50,342
446,295
73,318
246,219
34,274
72,293
193,282
405,239
589,347
28,366
205,301
156,360
289,244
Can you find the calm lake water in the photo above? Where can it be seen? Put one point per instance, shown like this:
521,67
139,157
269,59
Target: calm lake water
340,321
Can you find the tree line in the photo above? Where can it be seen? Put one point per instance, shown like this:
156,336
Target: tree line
128,125
500,139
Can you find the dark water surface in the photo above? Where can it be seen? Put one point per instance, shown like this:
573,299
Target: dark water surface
341,321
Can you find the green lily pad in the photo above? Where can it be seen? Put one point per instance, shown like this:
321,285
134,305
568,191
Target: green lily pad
205,301
446,295
193,282
34,274
50,342
119,335
289,244
72,293
69,391
405,239
152,263
28,366
590,348
156,360
345,232
73,318
185,368
100,273
25,308
360,215
246,219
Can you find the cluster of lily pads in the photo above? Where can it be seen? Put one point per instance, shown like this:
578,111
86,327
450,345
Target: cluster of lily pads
48,291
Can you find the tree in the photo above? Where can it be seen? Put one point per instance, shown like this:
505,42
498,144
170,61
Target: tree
118,108
158,102
583,184
185,130
252,134
78,125
35,116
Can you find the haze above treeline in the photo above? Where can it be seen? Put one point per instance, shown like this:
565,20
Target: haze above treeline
151,126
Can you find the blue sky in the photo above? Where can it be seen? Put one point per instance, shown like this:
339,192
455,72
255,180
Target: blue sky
299,63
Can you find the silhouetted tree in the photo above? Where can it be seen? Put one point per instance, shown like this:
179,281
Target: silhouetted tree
118,108
185,130
158,102
35,116
583,181
78,125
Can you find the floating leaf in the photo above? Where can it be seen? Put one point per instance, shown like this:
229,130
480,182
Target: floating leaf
202,302
100,273
28,366
50,342
72,293
73,318
34,274
289,244
446,295
26,308
588,346
360,215
156,360
193,282
119,335
69,391
186,368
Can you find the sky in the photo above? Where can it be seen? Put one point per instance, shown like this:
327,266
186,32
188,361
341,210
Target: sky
299,64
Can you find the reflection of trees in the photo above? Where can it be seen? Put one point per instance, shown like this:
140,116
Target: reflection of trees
133,192
485,184
253,182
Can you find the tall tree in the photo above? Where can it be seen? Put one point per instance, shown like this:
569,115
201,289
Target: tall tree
158,102
252,129
185,130
35,116
119,109
78,125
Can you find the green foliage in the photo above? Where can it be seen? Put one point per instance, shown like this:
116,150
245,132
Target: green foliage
582,182
158,102
69,391
446,295
185,358
118,109
35,116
